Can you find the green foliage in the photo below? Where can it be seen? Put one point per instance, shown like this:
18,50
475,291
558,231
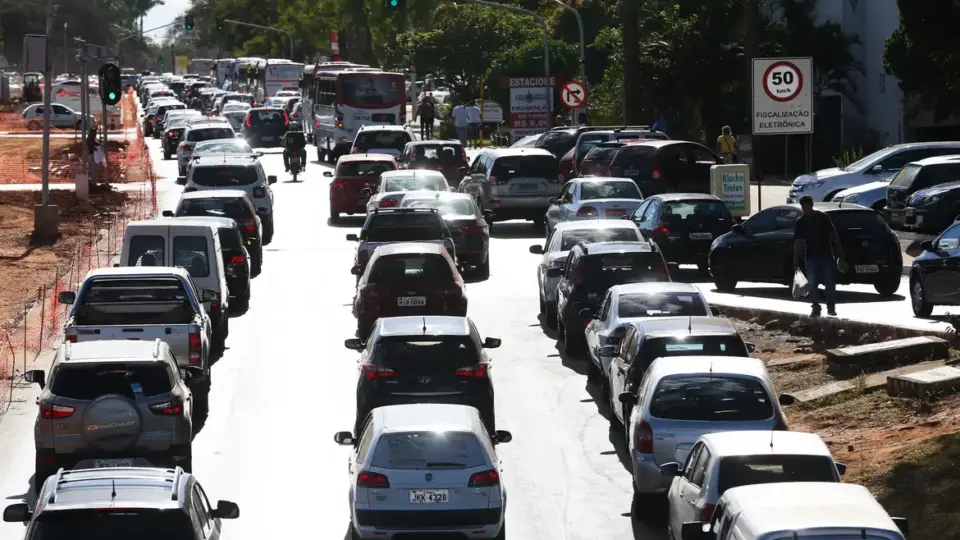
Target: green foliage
849,156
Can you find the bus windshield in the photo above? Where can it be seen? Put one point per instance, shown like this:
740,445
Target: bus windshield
371,89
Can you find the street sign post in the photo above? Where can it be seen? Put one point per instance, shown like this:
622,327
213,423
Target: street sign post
573,95
782,96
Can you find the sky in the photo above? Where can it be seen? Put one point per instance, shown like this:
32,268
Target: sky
164,14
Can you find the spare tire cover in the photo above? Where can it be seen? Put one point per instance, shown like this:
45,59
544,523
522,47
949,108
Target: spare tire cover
111,423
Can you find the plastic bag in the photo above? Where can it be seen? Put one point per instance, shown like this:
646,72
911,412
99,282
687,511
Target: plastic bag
800,285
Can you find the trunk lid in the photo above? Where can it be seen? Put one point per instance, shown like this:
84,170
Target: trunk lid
525,176
613,208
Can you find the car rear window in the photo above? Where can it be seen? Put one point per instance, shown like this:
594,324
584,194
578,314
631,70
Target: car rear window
429,450
246,98
230,239
90,381
690,345
400,268
736,471
525,167
403,227
557,143
431,182
215,207
113,524
609,190
670,304
572,238
372,169
267,117
860,222
687,214
636,156
370,140
146,251
134,301
190,253
224,176
711,399
208,134
604,271
447,206
439,355
446,153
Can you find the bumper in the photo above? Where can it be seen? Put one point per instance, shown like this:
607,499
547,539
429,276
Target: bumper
349,205
367,318
471,256
480,523
797,191
647,478
927,219
518,207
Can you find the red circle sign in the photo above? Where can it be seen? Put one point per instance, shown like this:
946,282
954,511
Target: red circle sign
782,81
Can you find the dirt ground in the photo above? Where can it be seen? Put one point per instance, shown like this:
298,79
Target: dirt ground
25,269
20,159
904,450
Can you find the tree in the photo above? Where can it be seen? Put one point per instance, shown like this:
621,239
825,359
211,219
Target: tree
630,32
919,55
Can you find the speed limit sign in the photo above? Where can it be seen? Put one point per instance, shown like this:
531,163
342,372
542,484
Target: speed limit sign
782,100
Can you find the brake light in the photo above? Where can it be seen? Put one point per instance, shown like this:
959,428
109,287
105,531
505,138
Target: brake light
250,226
643,438
656,172
662,230
372,372
237,259
168,408
294,154
707,512
150,119
71,339
587,211
286,119
560,177
354,150
55,411
479,370
259,192
493,179
249,121
781,425
485,479
196,347
171,134
215,305
388,203
470,229
463,154
372,480
338,184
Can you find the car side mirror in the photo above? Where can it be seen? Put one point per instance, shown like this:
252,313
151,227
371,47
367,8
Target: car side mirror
462,170
366,191
353,344
491,343
587,313
900,522
353,238
226,510
67,298
876,169
272,179
737,228
554,272
192,372
181,180
608,351
328,174
927,245
554,200
627,398
841,468
209,295
670,469
715,311
36,376
488,214
536,250
502,437
344,438
696,530
751,347
786,399
17,513
167,213
357,271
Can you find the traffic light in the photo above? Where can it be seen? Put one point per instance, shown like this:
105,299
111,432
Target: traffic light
220,24
394,4
160,61
110,84
188,22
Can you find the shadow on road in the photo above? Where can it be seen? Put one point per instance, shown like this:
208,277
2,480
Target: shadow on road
783,293
504,230
347,222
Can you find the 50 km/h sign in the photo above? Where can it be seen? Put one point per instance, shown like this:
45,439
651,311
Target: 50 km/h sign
573,95
782,100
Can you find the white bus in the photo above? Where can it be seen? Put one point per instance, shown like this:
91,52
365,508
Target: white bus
277,74
202,66
226,69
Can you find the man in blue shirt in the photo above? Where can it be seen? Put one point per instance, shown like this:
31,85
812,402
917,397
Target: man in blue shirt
461,121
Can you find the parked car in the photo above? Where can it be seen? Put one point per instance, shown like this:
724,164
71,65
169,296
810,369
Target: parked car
61,117
932,210
915,176
592,199
935,273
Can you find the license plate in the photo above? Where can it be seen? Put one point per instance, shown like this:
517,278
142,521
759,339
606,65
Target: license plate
429,496
268,138
701,236
526,188
108,463
412,301
866,268
616,212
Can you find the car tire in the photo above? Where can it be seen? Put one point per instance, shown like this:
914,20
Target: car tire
572,344
334,216
723,281
921,308
483,270
489,417
502,535
354,535
166,155
615,423
34,125
242,303
594,374
889,285
550,316
543,306
268,232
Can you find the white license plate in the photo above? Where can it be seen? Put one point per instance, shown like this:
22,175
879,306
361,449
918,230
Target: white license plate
866,268
269,138
412,301
616,212
429,496
524,187
108,463
701,236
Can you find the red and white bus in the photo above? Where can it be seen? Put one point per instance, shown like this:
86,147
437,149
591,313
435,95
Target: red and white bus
276,74
340,102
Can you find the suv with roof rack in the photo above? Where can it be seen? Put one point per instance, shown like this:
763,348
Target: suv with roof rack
389,226
124,502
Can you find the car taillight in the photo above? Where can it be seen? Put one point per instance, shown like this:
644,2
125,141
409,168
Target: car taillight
294,154
71,339
250,226
493,179
372,372
656,172
372,480
168,408
560,177
587,211
463,155
484,479
643,438
196,348
55,411
478,370
171,134
388,203
249,121
354,150
338,184
781,425
662,230
473,228
237,259
707,512
259,192
286,119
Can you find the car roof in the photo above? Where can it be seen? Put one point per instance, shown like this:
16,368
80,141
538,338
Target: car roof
684,326
655,287
600,248
410,173
508,152
169,222
383,128
752,443
366,157
594,224
704,365
431,325
671,197
659,143
216,158
409,248
828,206
426,195
435,417
112,349
218,222
936,160
138,271
134,486
434,142
808,505
589,179
214,194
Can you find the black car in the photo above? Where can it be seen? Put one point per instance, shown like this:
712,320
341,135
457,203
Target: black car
762,248
914,177
431,359
227,203
666,166
178,87
236,263
933,209
173,135
470,231
683,225
266,126
935,274
591,269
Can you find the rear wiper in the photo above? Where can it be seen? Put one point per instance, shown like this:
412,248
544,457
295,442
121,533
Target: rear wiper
438,464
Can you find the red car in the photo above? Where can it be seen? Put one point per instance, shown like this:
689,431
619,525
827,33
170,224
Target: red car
354,173
446,157
408,278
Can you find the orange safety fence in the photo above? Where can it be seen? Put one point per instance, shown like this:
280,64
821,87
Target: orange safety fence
43,318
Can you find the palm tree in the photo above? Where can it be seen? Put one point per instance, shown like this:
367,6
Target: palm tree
142,7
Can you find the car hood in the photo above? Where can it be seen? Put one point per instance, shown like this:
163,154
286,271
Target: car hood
822,174
880,186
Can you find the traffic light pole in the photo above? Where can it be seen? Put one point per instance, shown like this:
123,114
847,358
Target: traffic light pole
271,28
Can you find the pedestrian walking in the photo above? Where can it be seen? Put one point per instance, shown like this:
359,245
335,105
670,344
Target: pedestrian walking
427,112
473,121
461,122
558,121
727,145
818,247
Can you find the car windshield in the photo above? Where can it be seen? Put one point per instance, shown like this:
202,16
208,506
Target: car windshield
414,182
860,223
372,89
224,176
447,206
867,160
905,177
590,236
207,134
271,116
736,471
602,154
606,270
691,214
429,450
114,524
398,269
557,143
711,398
230,146
375,140
90,381
403,227
670,304
426,355
215,207
609,190
371,169
448,153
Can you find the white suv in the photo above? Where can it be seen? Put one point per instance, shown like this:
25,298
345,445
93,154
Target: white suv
235,171
199,132
880,165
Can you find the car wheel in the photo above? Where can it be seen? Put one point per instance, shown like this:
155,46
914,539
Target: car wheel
539,225
483,270
723,280
571,342
551,316
34,125
334,216
502,535
888,285
593,372
543,306
615,423
354,535
241,304
41,472
921,308
166,155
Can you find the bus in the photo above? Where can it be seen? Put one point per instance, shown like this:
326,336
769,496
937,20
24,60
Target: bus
225,70
201,66
277,74
338,103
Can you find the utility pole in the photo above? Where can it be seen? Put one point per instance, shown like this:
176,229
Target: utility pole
66,65
46,217
83,179
270,28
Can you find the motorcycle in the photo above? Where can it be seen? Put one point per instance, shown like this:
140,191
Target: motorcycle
295,164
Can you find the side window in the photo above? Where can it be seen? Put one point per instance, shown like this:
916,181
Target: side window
950,239
567,193
605,307
690,465
59,109
364,446
719,520
626,349
571,263
772,219
703,156
638,213
700,469
203,517
651,212
897,161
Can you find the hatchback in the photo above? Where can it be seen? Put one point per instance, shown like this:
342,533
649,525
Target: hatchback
197,133
593,198
666,166
265,126
353,174
467,225
390,140
683,225
914,177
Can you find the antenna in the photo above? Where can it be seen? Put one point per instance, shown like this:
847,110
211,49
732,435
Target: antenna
424,326
113,488
690,329
771,440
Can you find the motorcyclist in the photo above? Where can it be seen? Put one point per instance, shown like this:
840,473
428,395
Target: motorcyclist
294,141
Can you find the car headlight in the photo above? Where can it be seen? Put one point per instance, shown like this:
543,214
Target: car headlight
855,198
808,185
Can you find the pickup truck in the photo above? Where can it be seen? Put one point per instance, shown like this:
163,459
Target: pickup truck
143,304
388,226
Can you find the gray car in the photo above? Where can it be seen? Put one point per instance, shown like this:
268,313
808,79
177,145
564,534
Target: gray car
427,469
513,183
113,403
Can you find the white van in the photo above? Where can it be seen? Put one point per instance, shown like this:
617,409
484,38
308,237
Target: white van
797,511
191,244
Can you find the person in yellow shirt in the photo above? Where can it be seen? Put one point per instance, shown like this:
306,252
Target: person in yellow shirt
727,145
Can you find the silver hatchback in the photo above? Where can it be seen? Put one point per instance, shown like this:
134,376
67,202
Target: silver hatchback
425,468
513,183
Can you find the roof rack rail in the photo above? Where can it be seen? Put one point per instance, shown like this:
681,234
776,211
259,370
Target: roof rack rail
66,350
156,348
177,473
